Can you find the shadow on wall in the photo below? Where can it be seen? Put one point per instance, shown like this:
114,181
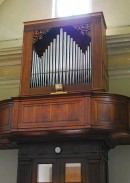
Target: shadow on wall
8,166
119,164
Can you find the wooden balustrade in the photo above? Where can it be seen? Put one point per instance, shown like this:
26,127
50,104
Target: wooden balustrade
69,114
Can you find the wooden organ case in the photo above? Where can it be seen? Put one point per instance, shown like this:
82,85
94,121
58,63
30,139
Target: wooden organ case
64,122
71,51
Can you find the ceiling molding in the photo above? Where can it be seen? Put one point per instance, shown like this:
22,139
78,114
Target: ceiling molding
12,82
11,51
11,43
118,44
119,72
119,30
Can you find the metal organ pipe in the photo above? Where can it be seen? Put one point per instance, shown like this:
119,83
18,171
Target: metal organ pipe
64,70
57,57
76,65
62,62
90,63
51,70
73,61
67,64
61,58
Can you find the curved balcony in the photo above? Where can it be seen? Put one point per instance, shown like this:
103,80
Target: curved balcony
70,115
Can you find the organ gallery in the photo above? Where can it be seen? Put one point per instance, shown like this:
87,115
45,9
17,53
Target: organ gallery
64,121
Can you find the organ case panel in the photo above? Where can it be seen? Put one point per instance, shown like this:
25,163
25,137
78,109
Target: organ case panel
110,112
51,113
5,116
67,51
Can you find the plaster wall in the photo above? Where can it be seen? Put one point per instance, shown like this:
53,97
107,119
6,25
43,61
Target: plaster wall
8,166
13,13
119,164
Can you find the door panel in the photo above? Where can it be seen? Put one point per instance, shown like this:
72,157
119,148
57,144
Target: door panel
71,170
45,171
68,170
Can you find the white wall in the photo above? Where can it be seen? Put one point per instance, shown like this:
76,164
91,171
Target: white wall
119,164
8,166
116,12
13,13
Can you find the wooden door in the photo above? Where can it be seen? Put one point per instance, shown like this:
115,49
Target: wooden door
63,170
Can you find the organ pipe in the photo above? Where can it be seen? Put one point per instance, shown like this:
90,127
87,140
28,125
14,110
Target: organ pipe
62,62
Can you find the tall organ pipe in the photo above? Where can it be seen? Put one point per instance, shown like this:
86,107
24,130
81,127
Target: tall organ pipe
64,68
51,64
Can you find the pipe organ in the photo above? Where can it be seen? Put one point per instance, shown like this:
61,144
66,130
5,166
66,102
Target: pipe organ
64,138
63,61
68,51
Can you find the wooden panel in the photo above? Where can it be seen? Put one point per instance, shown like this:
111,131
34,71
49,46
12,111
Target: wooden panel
24,172
28,114
51,113
15,112
102,112
70,114
43,113
110,113
65,111
87,113
97,172
96,56
26,63
5,116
